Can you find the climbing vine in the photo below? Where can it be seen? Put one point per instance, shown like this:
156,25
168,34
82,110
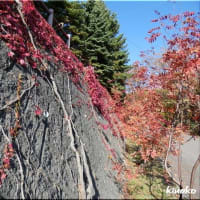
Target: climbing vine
17,126
164,101
34,44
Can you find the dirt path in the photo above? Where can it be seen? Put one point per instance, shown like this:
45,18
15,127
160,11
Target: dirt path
190,152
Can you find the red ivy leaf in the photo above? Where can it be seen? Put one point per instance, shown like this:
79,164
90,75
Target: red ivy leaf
6,160
10,54
34,65
104,126
38,111
21,61
3,176
26,54
37,84
6,163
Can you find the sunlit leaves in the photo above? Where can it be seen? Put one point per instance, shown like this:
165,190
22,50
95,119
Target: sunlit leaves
169,96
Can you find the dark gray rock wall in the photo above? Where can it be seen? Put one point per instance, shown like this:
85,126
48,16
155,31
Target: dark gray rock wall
49,166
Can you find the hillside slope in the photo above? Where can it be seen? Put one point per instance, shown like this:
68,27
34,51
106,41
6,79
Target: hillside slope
49,128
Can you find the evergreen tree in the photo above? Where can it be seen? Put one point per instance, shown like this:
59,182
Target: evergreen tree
95,39
72,15
104,48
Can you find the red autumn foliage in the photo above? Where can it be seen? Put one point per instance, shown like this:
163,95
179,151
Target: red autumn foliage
2,175
156,104
101,100
17,38
38,111
50,49
8,154
144,112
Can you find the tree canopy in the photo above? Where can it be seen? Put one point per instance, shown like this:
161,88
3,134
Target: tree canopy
95,39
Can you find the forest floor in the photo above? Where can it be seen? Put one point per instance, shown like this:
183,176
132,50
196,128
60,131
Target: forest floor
149,180
152,184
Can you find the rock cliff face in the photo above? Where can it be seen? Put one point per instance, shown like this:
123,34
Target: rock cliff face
49,165
53,157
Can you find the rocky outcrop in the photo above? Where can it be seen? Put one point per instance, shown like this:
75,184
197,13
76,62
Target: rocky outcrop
59,149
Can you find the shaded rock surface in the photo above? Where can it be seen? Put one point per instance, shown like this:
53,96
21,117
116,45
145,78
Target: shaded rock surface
43,143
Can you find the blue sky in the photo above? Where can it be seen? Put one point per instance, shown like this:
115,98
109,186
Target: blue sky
135,18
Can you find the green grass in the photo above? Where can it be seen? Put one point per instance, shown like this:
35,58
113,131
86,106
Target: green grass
145,187
151,183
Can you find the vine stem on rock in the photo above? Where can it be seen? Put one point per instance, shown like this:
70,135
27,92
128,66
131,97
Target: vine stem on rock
82,192
17,98
90,189
19,161
19,8
67,118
